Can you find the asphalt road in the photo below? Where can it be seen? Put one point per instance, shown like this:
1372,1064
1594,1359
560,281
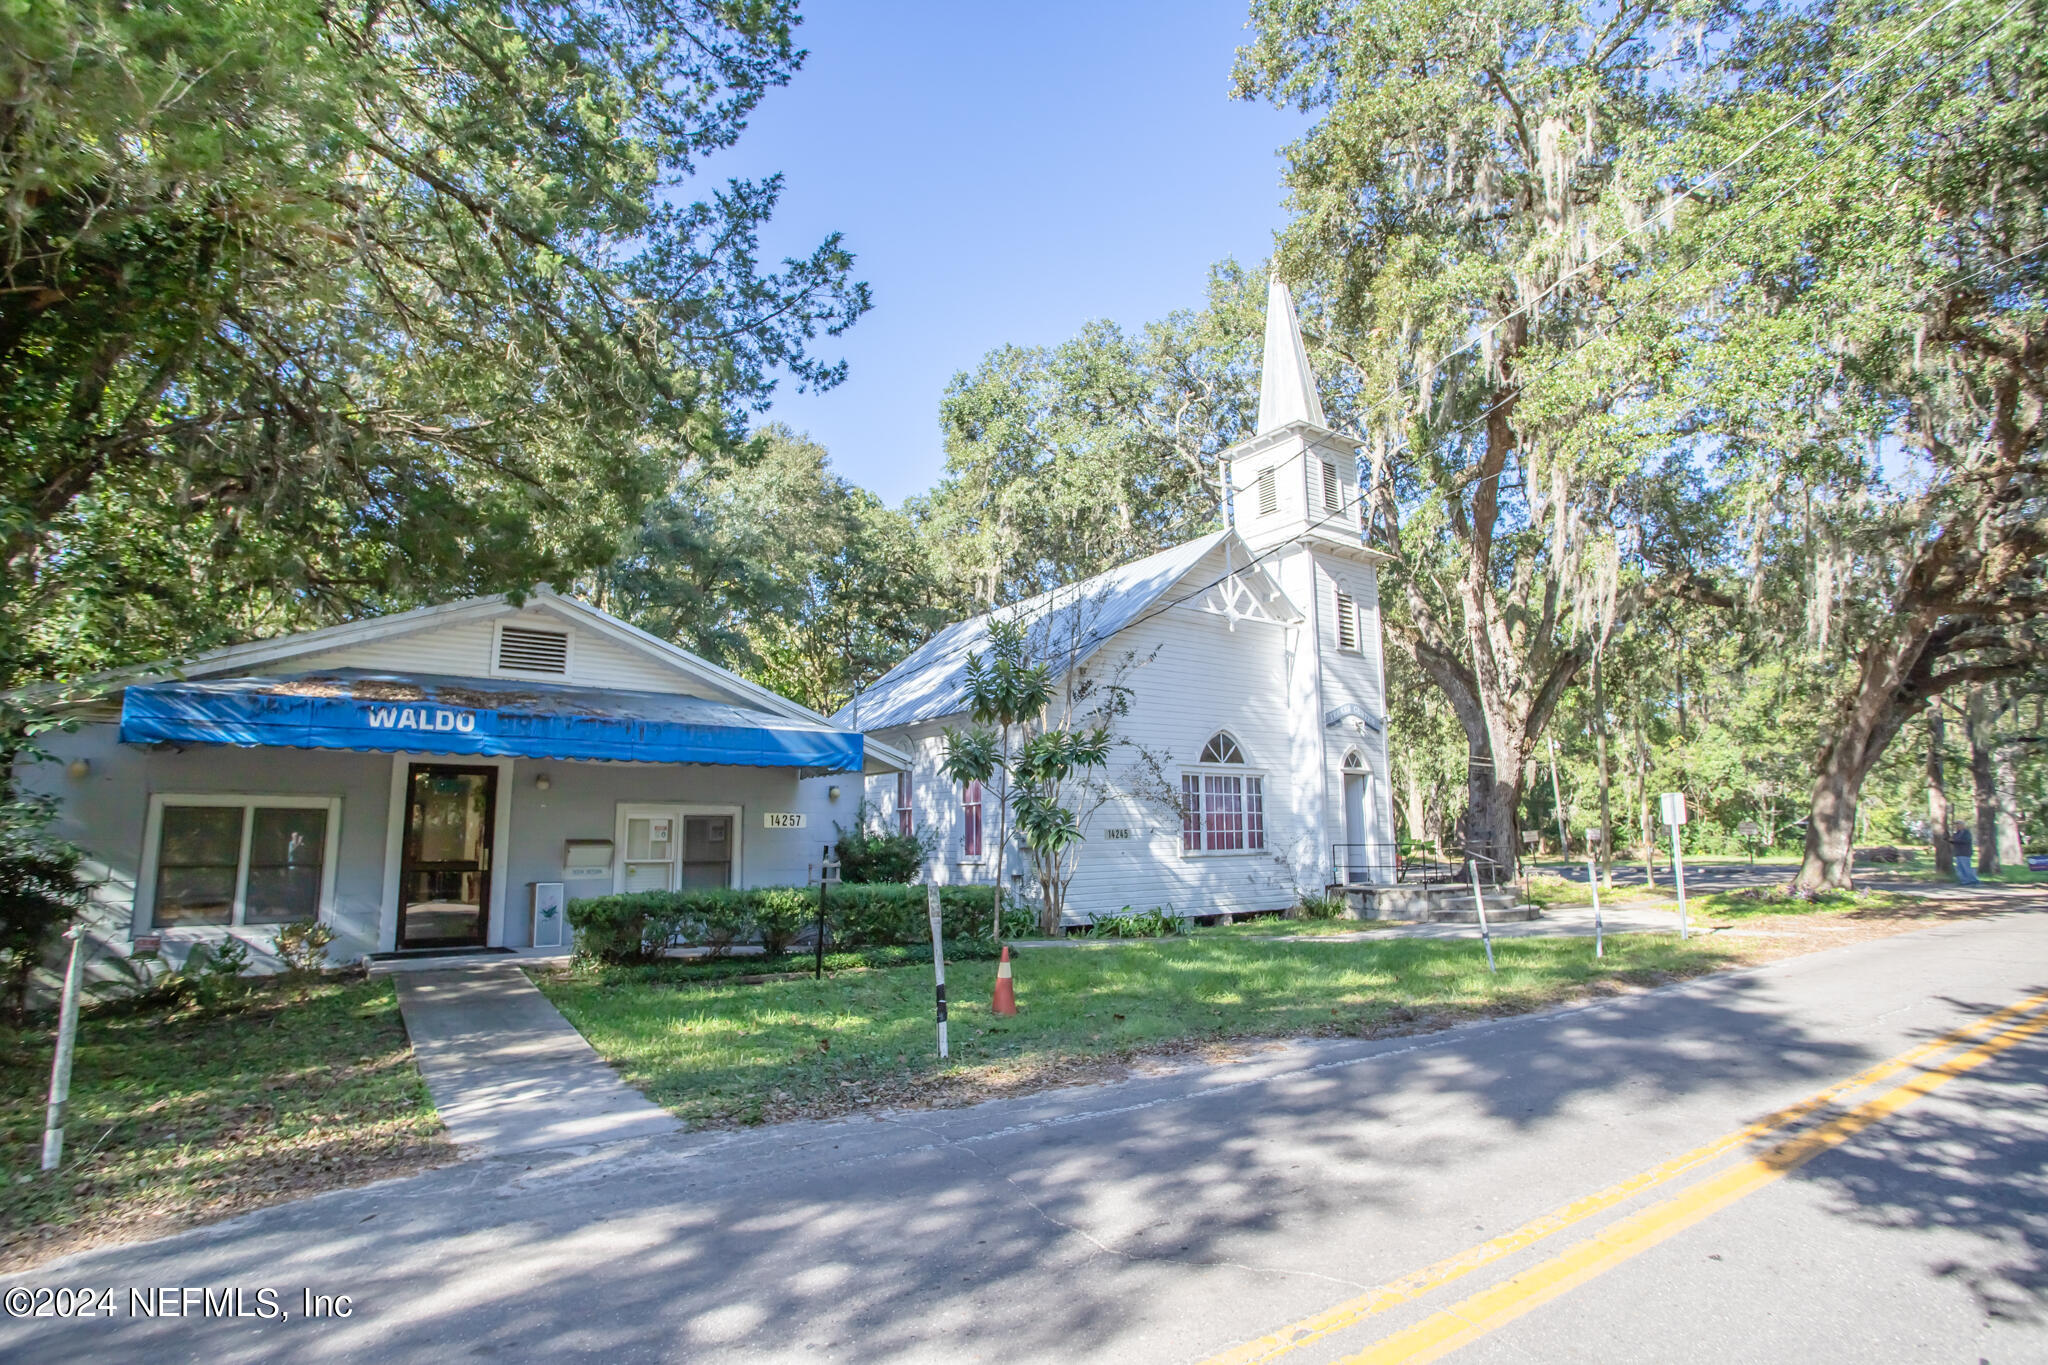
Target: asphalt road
1176,1217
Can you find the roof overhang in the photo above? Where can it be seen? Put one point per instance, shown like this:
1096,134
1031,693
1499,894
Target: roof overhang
384,713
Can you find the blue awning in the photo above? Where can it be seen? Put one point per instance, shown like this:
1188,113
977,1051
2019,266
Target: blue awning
386,713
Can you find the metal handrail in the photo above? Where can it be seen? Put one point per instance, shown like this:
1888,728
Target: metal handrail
1356,864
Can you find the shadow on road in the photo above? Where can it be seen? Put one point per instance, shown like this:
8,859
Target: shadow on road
1028,1229
1973,1159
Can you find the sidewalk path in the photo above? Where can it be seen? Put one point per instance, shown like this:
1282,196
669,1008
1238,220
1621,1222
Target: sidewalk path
508,1072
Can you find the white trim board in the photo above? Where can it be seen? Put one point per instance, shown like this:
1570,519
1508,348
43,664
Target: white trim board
247,802
394,843
625,810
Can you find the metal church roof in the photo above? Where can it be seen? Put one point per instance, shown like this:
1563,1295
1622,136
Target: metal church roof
1078,617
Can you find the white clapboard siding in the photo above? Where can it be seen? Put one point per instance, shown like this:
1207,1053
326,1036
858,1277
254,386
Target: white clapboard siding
1190,674
463,649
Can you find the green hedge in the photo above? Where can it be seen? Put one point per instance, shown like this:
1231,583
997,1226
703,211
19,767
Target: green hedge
643,925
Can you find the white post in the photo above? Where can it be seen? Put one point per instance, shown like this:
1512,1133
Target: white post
1678,875
1479,904
931,910
1673,804
1593,880
67,1041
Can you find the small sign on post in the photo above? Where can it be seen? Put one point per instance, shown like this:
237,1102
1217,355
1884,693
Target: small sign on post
1750,831
931,910
1672,804
828,873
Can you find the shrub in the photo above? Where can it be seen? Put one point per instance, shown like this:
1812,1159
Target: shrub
1319,906
872,852
1158,922
302,945
39,893
642,926
780,914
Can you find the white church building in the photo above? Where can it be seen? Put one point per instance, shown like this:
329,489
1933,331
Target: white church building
1251,763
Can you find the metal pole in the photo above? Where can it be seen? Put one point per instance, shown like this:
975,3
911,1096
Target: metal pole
1479,904
1678,876
931,910
818,971
1593,880
67,1042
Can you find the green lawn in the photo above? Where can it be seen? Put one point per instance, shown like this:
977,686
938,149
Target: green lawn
178,1116
746,1054
1275,927
1752,902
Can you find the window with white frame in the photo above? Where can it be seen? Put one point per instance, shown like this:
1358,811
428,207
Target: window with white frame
1223,807
903,804
1332,490
1347,621
970,820
234,860
1269,494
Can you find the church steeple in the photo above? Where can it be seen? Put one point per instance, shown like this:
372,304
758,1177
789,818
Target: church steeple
1287,389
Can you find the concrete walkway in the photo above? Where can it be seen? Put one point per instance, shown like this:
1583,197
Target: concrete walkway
508,1072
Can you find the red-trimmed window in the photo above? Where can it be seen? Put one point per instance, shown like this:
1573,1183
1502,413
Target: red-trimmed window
1222,812
903,821
970,811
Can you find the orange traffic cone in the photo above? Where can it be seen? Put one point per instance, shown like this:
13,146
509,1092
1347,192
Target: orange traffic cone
1006,991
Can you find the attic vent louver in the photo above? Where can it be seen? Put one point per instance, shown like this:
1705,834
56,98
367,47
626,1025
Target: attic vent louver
533,651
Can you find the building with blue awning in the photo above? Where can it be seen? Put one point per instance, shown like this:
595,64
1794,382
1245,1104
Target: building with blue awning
441,780
389,713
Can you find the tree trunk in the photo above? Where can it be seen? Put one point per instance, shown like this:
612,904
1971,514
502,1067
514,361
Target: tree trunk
1605,852
1937,798
1831,821
1645,832
1983,782
2006,780
1002,837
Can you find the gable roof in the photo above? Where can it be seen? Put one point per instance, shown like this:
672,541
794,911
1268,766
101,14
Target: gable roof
260,654
932,682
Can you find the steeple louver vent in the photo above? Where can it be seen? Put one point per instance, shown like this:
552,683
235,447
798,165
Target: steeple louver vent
539,652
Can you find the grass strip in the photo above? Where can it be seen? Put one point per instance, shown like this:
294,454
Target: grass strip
179,1115
724,1054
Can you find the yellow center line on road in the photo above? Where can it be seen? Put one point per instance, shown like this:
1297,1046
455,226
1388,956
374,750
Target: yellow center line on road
1432,1277
1474,1317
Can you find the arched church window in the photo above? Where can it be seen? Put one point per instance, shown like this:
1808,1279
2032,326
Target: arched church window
1222,812
1354,762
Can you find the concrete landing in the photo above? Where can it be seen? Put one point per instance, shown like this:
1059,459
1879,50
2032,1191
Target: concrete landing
508,1072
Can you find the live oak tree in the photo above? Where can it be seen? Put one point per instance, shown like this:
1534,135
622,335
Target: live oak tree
308,310
1878,361
1474,177
1064,461
775,566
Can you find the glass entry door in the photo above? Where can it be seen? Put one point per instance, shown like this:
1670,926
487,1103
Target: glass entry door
444,897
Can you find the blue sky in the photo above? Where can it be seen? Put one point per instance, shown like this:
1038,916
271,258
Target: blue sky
1004,174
